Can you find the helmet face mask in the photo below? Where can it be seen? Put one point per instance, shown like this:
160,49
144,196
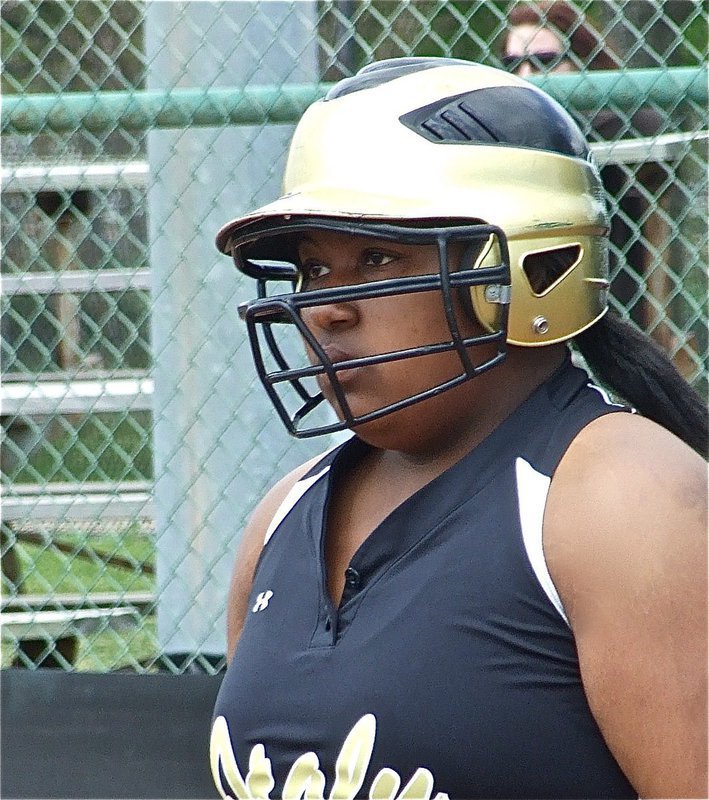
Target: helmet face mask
428,151
295,381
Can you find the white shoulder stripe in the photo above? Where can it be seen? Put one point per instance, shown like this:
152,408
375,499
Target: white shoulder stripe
296,492
532,491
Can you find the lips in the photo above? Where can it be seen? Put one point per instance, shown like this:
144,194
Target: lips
335,356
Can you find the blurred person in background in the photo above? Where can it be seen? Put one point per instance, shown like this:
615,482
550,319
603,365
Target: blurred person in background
554,37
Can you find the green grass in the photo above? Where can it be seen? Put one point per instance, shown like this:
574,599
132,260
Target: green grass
125,648
46,570
96,447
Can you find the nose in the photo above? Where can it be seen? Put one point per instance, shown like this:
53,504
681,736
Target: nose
524,69
332,317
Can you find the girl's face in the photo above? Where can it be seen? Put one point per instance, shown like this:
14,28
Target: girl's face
359,328
530,50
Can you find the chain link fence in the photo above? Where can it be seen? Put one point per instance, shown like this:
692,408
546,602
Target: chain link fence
135,440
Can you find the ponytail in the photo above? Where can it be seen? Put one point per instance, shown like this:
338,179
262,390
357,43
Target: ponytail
634,367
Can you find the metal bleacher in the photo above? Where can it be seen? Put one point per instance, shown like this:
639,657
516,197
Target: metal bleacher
41,397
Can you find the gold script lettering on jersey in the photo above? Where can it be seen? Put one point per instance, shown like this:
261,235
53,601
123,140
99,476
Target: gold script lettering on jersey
306,780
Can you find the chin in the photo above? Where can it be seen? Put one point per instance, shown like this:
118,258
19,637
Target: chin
423,423
398,430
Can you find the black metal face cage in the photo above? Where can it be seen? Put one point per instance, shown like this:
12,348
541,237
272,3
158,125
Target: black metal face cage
258,261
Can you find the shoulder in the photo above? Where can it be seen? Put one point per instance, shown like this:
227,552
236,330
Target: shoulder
626,487
644,122
648,122
263,515
625,538
621,463
606,125
268,507
251,545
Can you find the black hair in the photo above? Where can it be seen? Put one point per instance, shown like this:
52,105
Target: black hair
632,366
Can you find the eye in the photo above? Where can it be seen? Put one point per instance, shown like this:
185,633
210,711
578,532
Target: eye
377,258
313,271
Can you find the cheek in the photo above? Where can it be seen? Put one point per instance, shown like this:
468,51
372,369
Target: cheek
565,67
416,324
382,325
424,324
428,323
412,320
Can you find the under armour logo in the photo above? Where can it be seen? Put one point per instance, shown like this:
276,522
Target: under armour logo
262,599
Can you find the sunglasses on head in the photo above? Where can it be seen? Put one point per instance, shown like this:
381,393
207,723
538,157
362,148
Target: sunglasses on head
545,59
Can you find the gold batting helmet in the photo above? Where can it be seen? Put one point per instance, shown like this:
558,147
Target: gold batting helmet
418,144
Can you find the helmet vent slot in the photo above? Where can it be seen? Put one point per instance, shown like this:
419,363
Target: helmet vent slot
544,269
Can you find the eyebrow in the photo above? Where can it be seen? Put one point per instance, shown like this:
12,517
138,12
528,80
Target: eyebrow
301,241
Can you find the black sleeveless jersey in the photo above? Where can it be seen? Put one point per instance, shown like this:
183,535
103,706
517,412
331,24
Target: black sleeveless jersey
449,669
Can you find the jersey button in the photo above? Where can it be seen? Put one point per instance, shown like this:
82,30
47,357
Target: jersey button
352,578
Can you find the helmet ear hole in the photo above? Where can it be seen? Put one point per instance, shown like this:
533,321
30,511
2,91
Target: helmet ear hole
547,267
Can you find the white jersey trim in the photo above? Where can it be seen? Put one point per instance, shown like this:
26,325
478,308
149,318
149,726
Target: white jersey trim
606,397
532,491
296,492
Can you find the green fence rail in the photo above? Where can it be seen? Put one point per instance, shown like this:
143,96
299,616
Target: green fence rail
260,105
